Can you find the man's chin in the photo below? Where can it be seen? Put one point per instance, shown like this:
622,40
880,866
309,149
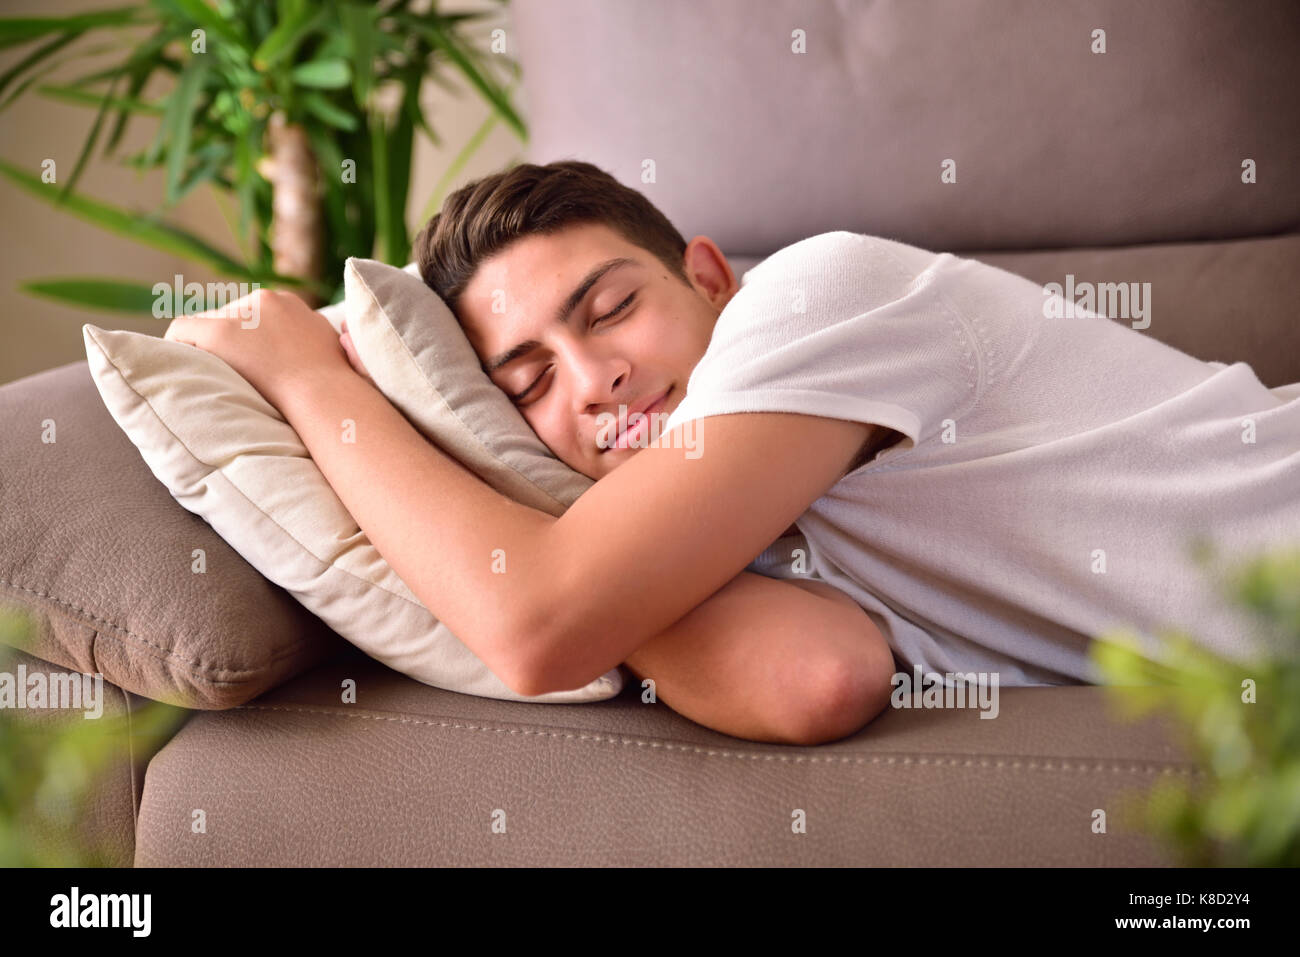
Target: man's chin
611,459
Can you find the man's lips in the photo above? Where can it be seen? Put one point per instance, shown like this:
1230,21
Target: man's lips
639,419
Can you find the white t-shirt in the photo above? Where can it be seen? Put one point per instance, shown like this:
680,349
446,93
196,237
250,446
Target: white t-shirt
1053,472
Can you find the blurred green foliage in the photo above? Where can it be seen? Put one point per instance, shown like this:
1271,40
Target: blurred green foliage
348,73
1240,721
52,764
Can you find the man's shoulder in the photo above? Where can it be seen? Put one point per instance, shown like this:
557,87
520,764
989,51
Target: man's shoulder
811,248
834,250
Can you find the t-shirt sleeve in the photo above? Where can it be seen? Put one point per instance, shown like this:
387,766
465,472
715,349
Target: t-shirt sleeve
841,325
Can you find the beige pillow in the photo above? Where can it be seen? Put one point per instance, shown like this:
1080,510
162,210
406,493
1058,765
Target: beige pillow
226,454
418,356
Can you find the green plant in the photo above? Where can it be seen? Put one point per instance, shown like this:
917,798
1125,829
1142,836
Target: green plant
1241,722
52,763
274,103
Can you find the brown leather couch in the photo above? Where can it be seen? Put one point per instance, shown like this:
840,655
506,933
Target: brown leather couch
1117,166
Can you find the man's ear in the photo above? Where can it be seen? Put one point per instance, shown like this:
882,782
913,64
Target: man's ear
709,271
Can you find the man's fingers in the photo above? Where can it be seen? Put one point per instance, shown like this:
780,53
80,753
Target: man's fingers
176,331
191,329
350,350
186,328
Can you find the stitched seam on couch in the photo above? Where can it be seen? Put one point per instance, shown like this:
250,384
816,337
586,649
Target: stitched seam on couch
197,670
984,761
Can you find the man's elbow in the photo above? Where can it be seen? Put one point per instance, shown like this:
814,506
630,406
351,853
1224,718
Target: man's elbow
540,674
544,663
532,680
527,668
545,644
522,682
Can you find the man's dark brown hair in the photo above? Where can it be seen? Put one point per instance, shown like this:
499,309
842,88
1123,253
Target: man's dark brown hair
482,218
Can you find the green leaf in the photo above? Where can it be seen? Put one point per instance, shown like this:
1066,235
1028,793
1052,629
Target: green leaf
15,30
468,17
141,66
343,232
70,94
35,57
149,53
433,72
334,45
399,183
132,225
449,44
452,171
179,122
411,78
50,67
324,110
221,200
284,39
380,191
169,120
322,74
91,138
386,43
245,151
212,158
139,77
211,21
358,28
97,293
262,20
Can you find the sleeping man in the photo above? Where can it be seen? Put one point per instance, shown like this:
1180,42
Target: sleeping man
903,463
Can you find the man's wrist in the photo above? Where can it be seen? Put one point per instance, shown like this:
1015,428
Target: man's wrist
304,392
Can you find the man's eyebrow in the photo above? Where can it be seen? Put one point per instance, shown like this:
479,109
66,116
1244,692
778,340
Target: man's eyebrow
562,314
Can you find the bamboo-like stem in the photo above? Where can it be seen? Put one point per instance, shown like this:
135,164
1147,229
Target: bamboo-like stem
297,223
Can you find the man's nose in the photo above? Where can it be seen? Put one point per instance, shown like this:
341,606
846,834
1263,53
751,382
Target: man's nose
598,380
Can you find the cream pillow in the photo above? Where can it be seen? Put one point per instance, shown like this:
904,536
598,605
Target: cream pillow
418,356
227,455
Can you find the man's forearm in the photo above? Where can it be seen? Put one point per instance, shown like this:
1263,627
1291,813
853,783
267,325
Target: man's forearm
436,523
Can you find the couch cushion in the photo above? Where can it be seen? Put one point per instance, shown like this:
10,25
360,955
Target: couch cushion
413,776
94,546
1233,301
1054,145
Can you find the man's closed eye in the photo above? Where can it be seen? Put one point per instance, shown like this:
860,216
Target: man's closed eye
625,304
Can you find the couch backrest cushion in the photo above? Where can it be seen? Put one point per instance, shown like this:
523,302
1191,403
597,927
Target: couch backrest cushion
117,578
759,146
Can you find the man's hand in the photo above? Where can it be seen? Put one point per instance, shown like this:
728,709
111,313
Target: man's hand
350,351
271,338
